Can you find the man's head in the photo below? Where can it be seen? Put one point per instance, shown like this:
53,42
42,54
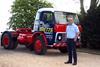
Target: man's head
70,19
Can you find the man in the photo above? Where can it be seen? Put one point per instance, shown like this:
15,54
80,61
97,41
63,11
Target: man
72,33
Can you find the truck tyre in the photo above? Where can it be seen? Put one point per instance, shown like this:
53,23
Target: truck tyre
40,46
63,50
7,41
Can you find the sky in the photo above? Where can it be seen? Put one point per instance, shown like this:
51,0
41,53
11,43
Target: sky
70,5
5,6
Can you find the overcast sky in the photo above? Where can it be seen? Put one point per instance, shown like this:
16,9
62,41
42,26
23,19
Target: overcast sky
71,5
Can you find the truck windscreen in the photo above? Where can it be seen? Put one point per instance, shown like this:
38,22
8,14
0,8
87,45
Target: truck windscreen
61,17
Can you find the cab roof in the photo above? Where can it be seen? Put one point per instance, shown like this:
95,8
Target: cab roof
53,10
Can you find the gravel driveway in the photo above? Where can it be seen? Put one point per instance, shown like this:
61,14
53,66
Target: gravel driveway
22,57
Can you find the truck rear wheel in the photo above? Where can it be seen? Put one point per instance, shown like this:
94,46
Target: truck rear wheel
40,46
7,41
63,50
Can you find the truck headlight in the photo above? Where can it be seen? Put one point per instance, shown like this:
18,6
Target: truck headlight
59,37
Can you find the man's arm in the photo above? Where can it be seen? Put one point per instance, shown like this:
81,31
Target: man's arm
77,34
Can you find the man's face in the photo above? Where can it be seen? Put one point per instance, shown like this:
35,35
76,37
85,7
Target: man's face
70,20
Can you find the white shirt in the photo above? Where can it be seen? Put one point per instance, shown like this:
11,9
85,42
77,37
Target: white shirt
72,30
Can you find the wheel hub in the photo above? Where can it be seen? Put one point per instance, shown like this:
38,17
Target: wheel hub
38,46
6,40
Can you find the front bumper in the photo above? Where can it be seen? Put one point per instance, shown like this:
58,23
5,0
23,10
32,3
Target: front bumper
62,45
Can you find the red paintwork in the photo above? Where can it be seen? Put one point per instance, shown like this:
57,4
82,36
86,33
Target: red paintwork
6,40
24,30
62,45
38,46
80,28
25,36
60,28
59,45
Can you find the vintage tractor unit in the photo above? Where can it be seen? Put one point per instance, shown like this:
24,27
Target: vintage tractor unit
49,31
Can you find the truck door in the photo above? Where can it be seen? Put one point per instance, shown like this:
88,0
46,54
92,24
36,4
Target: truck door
46,25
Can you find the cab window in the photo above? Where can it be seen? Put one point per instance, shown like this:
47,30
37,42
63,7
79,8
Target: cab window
47,17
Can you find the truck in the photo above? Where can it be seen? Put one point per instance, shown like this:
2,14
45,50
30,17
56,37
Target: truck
49,31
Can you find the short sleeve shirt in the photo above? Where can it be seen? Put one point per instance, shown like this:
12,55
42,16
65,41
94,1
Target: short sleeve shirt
72,30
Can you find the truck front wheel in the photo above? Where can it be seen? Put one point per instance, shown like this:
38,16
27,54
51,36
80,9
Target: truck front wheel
40,46
7,41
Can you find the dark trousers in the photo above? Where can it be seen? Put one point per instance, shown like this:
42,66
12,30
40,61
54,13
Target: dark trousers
71,50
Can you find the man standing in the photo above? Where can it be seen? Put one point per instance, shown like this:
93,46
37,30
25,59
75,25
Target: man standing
72,33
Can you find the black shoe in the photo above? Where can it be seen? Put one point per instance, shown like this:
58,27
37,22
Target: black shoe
68,62
74,63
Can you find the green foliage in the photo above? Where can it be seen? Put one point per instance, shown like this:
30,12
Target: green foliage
24,12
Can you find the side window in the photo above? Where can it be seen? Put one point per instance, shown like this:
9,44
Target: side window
47,17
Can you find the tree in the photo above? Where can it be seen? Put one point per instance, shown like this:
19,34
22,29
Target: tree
91,23
82,8
93,5
24,11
